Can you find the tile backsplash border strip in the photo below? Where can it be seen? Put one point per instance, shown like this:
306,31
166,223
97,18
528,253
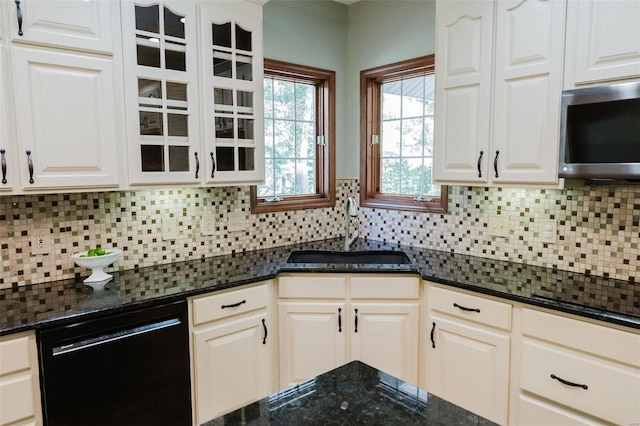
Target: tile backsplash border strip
598,227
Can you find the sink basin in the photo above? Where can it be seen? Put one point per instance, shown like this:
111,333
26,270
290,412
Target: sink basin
349,257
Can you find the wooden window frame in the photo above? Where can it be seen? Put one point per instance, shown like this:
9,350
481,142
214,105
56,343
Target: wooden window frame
325,83
370,101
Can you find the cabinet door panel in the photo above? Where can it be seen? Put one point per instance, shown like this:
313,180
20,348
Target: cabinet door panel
65,117
231,366
311,339
469,366
76,24
607,37
527,87
463,82
533,412
16,395
386,338
10,157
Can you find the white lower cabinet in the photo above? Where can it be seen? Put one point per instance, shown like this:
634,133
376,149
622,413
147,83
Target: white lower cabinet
573,372
231,343
19,380
326,321
468,351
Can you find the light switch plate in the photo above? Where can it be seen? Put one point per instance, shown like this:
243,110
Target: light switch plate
236,221
169,229
41,241
499,226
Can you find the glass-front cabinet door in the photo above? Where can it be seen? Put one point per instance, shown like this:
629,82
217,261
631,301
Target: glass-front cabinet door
232,69
161,86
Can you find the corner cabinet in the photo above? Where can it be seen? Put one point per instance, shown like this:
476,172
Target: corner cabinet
173,65
603,42
498,87
231,344
326,321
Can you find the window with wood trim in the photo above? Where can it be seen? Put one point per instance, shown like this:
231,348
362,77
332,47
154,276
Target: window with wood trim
299,130
396,131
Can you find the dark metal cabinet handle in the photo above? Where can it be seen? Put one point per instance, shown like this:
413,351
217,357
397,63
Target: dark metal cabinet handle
197,165
479,164
356,321
3,161
339,320
30,164
213,165
235,305
264,326
433,330
495,163
565,382
19,13
466,309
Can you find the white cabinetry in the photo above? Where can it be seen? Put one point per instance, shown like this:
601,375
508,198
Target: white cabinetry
172,67
498,98
328,320
573,372
19,380
466,359
603,41
66,126
231,350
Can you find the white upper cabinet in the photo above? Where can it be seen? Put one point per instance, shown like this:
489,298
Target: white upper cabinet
161,91
603,41
171,69
66,125
82,25
498,87
8,151
463,90
232,76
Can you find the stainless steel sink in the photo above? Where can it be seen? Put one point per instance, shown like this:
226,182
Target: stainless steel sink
349,257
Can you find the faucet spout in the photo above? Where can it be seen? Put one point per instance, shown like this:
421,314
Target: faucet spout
351,210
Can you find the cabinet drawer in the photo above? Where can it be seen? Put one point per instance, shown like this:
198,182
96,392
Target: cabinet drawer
612,393
14,355
471,308
617,345
217,306
312,287
390,287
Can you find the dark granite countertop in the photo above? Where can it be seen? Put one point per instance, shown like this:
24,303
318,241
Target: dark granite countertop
42,305
354,394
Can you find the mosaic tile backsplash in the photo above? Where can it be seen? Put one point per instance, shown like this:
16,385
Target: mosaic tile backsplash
598,228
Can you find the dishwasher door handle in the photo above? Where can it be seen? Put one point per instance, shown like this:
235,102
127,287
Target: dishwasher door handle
112,337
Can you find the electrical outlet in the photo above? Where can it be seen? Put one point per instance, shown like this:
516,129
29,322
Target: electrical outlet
548,231
207,224
236,221
499,226
169,229
41,241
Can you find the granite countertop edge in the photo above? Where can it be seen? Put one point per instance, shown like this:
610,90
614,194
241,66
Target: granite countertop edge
51,304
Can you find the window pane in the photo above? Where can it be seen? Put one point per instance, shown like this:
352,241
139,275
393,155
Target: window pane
150,123
284,139
173,24
178,124
178,158
413,97
268,138
225,159
428,136
147,18
390,176
246,159
222,34
152,158
268,97
305,140
268,189
412,176
305,177
412,137
391,100
305,102
390,138
285,171
243,38
283,100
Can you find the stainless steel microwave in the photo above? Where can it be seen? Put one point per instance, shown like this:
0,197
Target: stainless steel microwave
600,132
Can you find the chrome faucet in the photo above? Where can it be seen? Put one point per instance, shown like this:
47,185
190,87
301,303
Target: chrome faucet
351,210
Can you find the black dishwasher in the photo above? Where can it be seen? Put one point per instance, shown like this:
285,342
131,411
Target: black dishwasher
131,368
